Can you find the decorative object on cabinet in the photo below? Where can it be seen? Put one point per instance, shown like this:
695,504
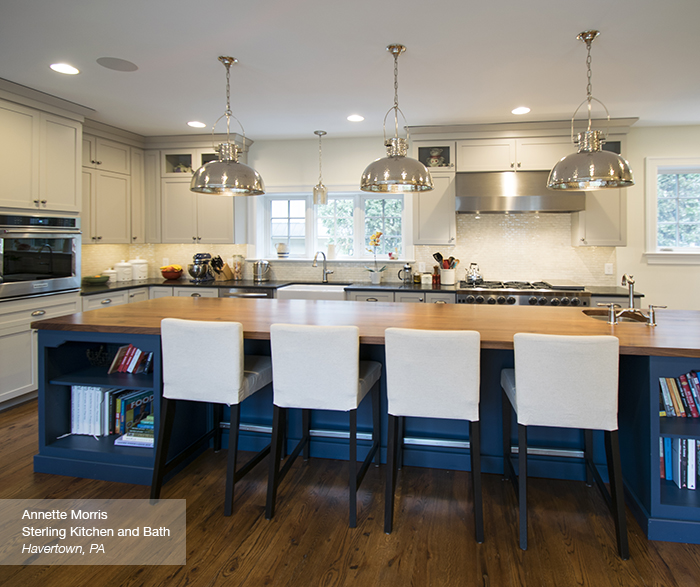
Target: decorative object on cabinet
591,168
396,172
226,175
320,190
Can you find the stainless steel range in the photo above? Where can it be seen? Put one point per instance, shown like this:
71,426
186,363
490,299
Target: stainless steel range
523,293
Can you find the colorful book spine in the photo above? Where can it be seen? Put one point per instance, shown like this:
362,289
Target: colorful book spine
685,389
675,397
665,394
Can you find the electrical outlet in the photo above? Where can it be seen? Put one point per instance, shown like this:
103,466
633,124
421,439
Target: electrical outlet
166,261
608,269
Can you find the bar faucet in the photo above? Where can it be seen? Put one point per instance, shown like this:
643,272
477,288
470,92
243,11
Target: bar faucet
628,281
326,272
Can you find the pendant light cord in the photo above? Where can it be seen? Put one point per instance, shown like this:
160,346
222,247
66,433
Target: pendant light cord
396,93
320,158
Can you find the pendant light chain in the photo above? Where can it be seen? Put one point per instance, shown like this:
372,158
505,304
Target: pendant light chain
320,158
589,86
396,92
228,113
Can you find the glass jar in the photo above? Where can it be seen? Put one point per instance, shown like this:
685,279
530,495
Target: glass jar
237,262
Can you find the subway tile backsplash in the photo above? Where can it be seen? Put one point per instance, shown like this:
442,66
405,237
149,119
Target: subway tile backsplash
524,247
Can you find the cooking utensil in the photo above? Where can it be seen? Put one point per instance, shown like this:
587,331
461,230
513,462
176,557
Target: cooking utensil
217,264
438,258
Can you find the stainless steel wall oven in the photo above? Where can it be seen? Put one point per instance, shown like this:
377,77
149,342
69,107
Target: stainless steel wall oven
38,254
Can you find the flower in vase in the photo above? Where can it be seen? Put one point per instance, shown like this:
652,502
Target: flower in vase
374,244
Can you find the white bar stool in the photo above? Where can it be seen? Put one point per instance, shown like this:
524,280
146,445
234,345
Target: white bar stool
319,368
565,382
432,374
204,362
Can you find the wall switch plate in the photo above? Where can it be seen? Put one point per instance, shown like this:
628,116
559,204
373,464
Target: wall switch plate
608,269
166,261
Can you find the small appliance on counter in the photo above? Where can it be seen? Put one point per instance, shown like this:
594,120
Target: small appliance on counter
473,275
199,269
260,270
407,277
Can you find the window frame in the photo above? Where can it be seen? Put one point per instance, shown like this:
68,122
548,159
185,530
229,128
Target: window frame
654,254
264,242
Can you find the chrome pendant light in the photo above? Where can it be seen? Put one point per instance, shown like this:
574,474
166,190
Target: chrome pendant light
320,190
591,168
396,172
226,176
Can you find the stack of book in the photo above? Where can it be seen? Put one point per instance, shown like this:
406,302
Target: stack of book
679,459
101,411
680,396
140,435
130,359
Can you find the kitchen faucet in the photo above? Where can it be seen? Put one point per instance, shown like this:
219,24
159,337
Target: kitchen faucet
628,281
326,272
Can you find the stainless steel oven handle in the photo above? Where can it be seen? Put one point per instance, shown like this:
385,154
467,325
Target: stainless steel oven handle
247,295
53,233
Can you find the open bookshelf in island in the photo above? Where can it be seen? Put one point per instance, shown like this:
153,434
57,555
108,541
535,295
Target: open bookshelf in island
71,359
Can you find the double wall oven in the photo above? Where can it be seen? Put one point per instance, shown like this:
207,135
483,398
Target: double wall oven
38,255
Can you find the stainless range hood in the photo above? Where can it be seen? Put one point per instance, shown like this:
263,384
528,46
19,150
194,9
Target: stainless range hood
512,191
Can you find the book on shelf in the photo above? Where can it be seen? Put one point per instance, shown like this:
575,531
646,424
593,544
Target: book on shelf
666,397
684,386
662,463
140,435
118,358
90,409
694,384
668,458
134,407
692,464
678,402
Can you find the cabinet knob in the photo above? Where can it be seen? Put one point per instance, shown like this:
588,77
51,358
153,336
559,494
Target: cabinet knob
196,295
99,238
439,302
512,165
37,203
372,300
519,164
133,238
106,301
194,238
38,312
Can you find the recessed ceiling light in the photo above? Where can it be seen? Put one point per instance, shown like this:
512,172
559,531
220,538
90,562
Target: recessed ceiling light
196,124
520,110
117,64
355,118
64,68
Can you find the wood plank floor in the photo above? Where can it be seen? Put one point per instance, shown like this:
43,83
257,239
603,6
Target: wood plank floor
309,544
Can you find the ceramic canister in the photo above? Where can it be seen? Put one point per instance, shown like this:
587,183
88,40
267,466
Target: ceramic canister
139,268
124,271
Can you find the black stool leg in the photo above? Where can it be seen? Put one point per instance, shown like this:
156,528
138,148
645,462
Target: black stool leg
506,428
352,469
391,466
306,432
612,448
588,455
167,417
218,414
232,457
522,483
278,416
399,447
376,423
475,450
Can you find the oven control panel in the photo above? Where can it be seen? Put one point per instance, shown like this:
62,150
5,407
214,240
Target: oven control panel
538,298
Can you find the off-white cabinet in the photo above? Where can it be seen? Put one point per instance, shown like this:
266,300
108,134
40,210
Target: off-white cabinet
138,196
41,152
160,292
604,221
18,345
424,297
198,292
114,298
370,296
188,217
434,215
100,153
106,207
176,162
504,154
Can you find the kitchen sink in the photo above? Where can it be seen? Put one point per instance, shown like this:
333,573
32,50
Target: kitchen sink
602,314
312,291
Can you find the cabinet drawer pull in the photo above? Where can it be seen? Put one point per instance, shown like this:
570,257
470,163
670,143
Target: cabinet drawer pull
38,312
439,302
196,295
371,300
106,301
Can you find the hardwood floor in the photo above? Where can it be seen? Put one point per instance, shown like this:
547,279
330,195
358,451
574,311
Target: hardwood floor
308,542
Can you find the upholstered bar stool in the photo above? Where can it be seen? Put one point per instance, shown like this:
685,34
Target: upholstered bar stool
417,388
565,382
319,368
204,362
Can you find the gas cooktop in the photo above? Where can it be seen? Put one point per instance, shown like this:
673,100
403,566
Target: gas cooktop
535,293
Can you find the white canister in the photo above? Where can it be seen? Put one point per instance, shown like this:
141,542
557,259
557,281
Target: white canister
139,268
124,271
111,273
447,276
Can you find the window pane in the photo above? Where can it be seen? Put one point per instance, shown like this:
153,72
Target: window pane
666,235
297,246
279,228
384,215
689,235
667,185
279,208
297,208
689,185
667,210
297,228
689,210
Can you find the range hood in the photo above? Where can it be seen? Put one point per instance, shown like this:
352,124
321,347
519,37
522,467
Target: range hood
512,191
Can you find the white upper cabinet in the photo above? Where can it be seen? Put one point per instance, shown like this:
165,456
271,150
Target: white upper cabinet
106,155
177,162
43,152
604,221
525,154
188,217
106,207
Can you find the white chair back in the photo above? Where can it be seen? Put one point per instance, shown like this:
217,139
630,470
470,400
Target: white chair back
316,367
433,373
566,381
203,361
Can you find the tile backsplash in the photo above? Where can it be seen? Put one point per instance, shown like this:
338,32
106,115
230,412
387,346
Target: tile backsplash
525,247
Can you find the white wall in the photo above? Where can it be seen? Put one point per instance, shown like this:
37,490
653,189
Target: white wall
675,286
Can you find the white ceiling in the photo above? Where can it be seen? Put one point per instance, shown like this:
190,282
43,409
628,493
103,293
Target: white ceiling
307,64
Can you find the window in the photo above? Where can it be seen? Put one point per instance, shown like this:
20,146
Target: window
347,220
673,210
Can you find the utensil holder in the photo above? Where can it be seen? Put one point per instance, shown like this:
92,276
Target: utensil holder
447,276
